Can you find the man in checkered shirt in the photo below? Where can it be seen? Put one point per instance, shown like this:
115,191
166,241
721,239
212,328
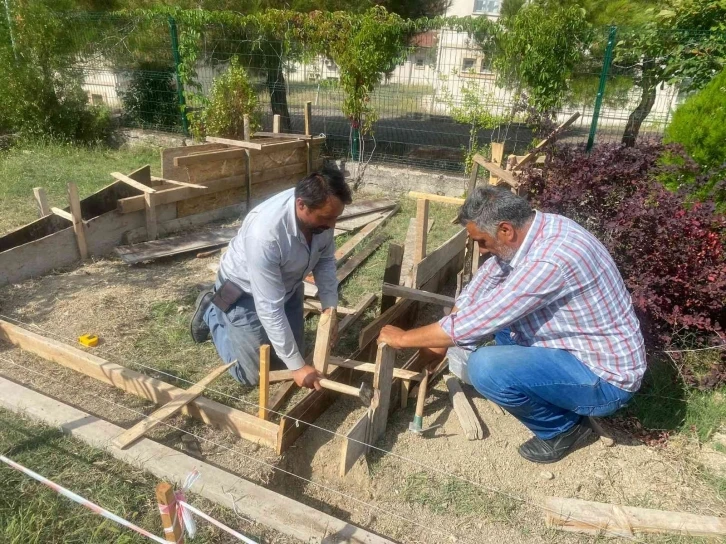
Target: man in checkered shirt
567,346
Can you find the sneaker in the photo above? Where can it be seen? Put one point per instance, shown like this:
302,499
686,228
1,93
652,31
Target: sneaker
548,451
198,327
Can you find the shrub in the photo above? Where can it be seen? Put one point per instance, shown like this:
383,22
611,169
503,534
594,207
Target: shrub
151,100
232,97
669,251
699,124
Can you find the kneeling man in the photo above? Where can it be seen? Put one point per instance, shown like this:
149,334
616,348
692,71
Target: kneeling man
567,342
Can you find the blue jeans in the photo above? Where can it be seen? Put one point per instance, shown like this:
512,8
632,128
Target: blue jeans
238,335
548,390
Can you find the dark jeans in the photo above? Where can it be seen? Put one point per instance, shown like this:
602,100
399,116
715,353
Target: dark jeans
238,334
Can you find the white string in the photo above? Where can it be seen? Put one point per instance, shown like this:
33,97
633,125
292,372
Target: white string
476,484
216,523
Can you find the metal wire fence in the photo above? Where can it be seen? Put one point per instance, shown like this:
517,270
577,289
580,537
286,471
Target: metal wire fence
422,104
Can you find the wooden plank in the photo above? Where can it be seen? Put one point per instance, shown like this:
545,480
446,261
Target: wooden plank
240,423
245,127
157,417
344,251
62,213
382,386
503,175
392,273
354,445
132,183
316,306
354,262
395,290
262,412
148,251
152,228
436,198
235,143
210,156
41,200
358,312
282,135
427,268
354,223
529,157
409,248
276,123
597,518
323,339
371,368
422,222
165,497
464,411
79,228
213,201
178,183
366,207
370,332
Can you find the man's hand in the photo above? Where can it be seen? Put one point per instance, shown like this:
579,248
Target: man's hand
334,330
307,376
392,336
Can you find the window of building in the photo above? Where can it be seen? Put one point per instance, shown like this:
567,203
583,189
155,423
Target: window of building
97,99
485,65
419,64
488,7
467,64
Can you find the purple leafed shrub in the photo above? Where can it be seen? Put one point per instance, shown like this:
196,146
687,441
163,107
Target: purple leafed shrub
669,250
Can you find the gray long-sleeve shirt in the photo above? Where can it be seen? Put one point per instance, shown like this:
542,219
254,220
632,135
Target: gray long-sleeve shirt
269,258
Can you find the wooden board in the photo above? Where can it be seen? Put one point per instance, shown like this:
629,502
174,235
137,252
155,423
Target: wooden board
179,173
503,175
326,326
354,445
382,386
422,223
354,223
148,251
529,157
39,257
436,198
366,207
213,201
409,248
354,262
392,273
395,290
597,518
463,409
344,251
427,268
370,332
118,176
371,368
213,413
157,417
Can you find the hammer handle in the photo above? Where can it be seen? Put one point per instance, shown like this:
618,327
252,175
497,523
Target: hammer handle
422,394
340,387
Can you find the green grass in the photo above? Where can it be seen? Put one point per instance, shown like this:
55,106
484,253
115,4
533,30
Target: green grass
51,166
31,513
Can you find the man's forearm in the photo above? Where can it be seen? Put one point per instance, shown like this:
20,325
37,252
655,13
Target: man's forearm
430,336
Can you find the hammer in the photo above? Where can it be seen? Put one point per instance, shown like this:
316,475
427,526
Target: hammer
416,426
364,393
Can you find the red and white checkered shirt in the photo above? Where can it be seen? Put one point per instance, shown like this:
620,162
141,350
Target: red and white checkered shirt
561,290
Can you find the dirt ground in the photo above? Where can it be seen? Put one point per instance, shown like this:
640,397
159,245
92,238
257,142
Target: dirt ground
430,489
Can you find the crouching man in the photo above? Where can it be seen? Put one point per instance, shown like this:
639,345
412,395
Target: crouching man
567,342
258,296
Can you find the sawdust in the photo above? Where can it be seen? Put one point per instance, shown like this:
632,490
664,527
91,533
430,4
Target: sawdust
495,501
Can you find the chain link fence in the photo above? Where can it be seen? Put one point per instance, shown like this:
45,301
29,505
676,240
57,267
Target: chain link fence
425,105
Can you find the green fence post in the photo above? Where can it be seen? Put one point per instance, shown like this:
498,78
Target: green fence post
179,84
601,87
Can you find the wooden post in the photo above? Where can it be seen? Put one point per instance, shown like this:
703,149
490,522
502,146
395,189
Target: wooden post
246,129
167,508
497,158
276,123
322,340
464,411
264,413
382,387
152,228
248,163
392,274
78,227
308,115
422,219
41,199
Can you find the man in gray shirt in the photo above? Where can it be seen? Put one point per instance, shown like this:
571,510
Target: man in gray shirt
258,297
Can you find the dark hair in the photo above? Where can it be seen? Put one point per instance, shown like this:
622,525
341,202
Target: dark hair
488,206
315,189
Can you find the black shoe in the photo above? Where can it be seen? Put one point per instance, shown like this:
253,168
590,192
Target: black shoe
198,327
548,451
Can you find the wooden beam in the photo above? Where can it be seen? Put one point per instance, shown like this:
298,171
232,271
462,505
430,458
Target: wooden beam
41,200
165,497
240,423
436,198
152,227
370,332
371,368
392,274
246,127
439,258
276,123
62,213
532,155
344,251
283,135
157,417
132,182
382,386
395,290
463,409
218,155
78,227
595,518
316,306
244,144
497,158
178,183
500,173
422,222
323,339
263,412
366,207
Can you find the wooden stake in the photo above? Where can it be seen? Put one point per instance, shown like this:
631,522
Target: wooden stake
276,123
326,325
263,412
437,198
464,411
41,199
78,227
382,386
173,531
152,227
308,120
392,274
246,129
422,220
497,158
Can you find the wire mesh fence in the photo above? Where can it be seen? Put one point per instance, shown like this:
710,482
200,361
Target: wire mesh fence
427,105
